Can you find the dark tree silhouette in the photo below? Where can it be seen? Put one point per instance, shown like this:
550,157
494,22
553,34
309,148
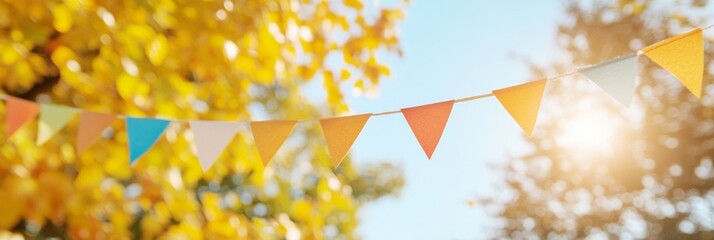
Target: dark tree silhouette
643,173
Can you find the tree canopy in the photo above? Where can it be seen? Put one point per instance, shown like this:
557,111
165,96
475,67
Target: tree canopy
224,60
601,171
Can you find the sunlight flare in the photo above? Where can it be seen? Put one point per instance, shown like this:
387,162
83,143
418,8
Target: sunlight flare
588,132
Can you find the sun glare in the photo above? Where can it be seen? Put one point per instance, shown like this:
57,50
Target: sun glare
588,132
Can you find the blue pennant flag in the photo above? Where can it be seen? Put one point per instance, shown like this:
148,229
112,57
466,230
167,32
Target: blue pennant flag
143,134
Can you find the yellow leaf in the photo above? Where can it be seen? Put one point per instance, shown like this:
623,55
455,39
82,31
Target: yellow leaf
334,95
11,209
117,168
62,18
157,50
245,63
344,74
184,230
348,57
61,55
384,70
306,72
150,226
120,220
141,33
264,76
211,208
130,86
301,210
24,74
359,84
9,55
89,177
356,4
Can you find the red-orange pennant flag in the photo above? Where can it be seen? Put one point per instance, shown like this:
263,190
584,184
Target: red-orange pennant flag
17,113
270,135
340,134
91,125
522,102
428,122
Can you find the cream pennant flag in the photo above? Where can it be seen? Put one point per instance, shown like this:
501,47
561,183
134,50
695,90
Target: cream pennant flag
683,56
52,119
91,126
17,113
211,138
428,122
341,133
617,77
522,102
269,136
143,133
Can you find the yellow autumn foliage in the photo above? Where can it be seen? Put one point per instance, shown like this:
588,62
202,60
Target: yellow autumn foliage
209,60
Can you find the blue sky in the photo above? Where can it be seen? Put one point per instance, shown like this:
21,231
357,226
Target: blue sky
453,49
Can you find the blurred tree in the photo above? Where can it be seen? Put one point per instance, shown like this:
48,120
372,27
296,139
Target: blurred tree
210,60
601,171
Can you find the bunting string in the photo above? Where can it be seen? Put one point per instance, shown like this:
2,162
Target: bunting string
681,55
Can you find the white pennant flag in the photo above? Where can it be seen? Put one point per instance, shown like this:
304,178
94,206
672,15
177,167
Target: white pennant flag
211,138
617,77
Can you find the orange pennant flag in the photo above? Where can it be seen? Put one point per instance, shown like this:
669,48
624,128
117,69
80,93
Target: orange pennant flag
683,56
91,125
340,134
428,122
270,135
17,113
522,102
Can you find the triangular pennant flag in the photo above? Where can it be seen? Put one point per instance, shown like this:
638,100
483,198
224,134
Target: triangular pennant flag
270,135
143,134
340,133
17,113
91,125
522,102
683,56
616,77
52,119
211,138
428,122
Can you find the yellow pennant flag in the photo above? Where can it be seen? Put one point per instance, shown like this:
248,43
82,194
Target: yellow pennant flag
52,119
683,56
340,134
270,135
522,102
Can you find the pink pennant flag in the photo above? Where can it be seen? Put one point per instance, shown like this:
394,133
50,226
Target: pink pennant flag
91,125
211,138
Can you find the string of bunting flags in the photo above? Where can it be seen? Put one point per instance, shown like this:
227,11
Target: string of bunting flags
682,56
